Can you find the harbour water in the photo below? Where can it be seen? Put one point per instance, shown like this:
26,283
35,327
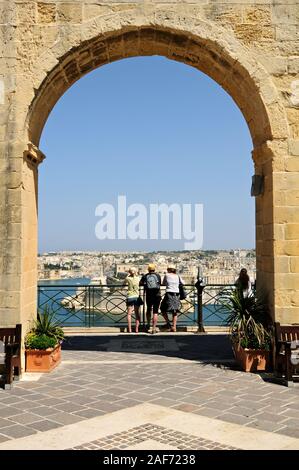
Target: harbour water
92,306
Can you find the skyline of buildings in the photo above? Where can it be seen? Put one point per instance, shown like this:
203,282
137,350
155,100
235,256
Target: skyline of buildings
213,266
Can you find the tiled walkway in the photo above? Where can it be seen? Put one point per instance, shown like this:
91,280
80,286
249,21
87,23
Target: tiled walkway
189,373
152,432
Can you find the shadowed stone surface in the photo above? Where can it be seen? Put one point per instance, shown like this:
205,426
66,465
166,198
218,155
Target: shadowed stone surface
208,348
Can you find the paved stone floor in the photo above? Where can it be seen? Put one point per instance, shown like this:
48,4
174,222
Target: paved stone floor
100,375
154,433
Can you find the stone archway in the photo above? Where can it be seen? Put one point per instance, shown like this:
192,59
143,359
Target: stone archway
203,54
181,35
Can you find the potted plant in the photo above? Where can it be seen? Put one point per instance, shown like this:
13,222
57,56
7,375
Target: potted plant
43,343
250,329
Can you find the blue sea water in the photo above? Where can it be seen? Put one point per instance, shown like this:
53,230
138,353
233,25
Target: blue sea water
52,292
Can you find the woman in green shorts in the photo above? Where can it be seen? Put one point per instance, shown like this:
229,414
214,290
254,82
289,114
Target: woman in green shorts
132,281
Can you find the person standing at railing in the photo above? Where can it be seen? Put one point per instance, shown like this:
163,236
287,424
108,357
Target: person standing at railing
171,301
243,283
132,281
152,283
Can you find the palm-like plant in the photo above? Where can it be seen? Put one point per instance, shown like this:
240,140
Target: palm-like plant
45,324
248,319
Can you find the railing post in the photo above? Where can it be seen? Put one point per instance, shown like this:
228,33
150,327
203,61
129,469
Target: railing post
200,287
38,297
87,296
89,301
143,310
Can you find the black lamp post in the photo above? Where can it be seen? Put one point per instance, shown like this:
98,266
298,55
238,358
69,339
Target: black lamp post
199,287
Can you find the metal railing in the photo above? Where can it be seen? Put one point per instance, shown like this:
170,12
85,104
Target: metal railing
105,305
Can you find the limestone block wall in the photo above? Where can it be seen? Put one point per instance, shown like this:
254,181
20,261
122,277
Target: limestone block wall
251,48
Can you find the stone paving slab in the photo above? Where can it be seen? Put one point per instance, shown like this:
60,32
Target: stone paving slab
146,422
90,383
148,435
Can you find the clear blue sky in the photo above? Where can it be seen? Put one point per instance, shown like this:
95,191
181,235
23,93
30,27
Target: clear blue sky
156,131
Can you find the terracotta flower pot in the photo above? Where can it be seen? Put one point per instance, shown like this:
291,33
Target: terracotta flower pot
39,360
252,360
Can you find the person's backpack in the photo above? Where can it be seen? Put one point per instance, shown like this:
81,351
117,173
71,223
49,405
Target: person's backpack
152,281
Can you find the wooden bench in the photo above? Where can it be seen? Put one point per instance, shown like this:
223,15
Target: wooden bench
10,339
287,352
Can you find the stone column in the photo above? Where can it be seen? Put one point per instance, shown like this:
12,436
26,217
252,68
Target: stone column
286,246
10,174
32,157
10,234
263,163
277,228
18,235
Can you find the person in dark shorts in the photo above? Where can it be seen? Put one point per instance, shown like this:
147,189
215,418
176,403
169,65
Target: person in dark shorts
171,301
152,282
